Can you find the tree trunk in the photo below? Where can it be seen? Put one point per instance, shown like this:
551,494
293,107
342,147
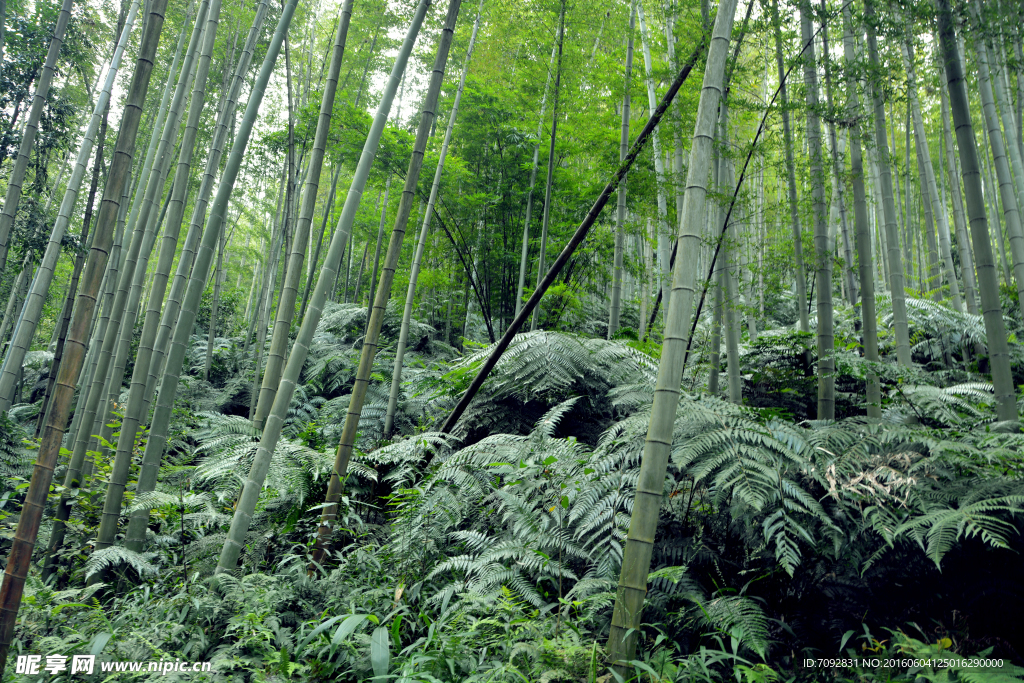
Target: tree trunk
369,347
267,293
315,259
225,119
892,240
139,243
42,475
620,216
145,230
290,287
248,318
76,272
546,221
636,561
359,275
294,253
204,256
823,254
727,296
794,215
246,504
989,184
999,354
838,183
3,27
869,321
938,209
403,336
74,476
211,334
29,320
1011,212
664,230
376,251
1012,147
959,223
28,138
524,256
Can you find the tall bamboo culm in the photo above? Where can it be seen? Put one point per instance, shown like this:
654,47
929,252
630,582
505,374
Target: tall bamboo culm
369,349
892,239
290,287
29,319
132,280
865,272
636,561
42,475
620,213
822,251
410,295
332,262
224,121
137,407
988,279
28,138
157,441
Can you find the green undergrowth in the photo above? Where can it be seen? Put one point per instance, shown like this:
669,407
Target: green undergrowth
788,549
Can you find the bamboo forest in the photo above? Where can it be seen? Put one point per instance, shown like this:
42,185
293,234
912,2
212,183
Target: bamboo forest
534,341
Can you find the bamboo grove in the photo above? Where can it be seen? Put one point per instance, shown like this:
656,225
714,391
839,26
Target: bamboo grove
623,322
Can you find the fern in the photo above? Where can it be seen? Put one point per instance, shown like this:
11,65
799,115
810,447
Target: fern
15,460
740,618
229,444
115,556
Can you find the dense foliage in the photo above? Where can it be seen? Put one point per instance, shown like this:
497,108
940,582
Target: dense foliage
804,530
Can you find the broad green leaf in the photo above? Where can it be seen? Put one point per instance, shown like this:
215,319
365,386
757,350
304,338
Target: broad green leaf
380,651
